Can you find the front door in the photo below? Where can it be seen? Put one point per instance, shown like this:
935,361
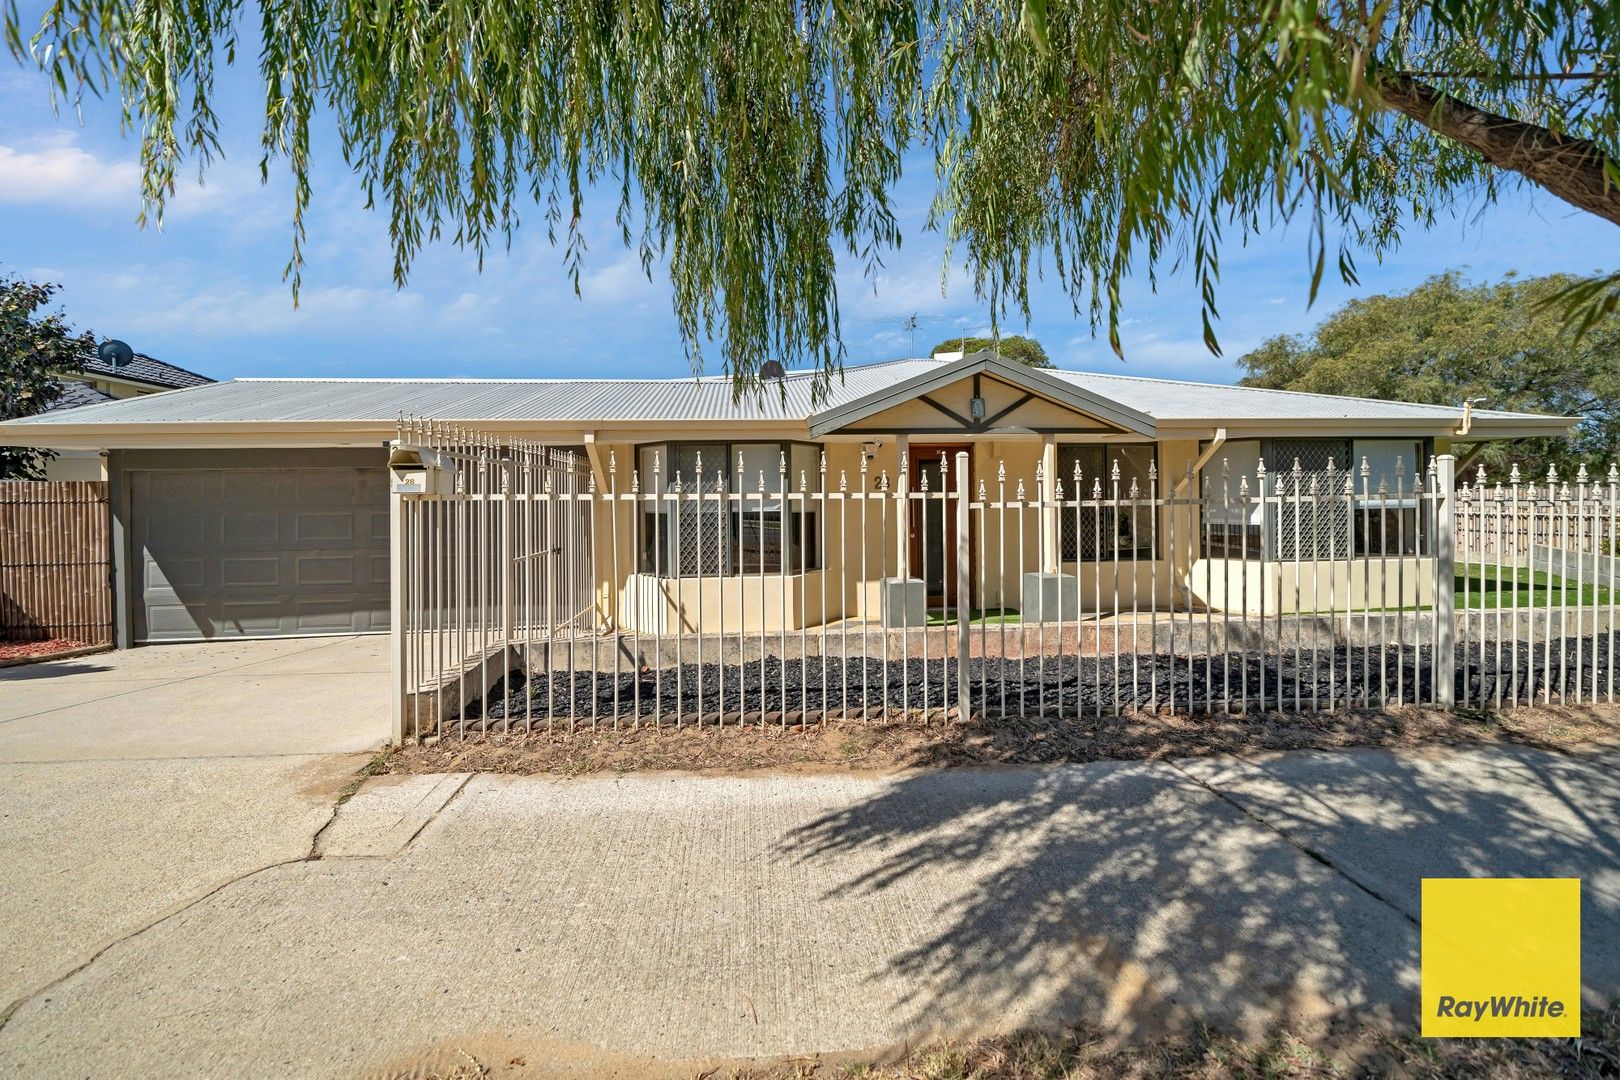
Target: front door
933,521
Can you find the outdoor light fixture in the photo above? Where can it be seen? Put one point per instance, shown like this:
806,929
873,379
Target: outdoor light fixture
976,408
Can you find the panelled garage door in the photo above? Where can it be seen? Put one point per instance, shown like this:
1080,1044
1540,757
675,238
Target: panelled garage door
257,552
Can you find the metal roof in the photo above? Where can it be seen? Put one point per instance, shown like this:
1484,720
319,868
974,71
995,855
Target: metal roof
142,369
1168,399
588,402
473,400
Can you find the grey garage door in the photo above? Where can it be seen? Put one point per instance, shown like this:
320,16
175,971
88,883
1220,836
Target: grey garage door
253,552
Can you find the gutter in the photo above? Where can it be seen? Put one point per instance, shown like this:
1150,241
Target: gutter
1203,459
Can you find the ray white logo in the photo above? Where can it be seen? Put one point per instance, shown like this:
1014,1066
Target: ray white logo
1501,957
1499,1007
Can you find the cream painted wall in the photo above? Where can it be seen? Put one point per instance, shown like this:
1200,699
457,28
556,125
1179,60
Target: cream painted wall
1291,588
857,528
76,465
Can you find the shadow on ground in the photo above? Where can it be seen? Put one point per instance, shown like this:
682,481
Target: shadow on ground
1248,897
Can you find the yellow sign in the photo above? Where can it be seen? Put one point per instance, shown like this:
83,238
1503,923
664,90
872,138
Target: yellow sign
1501,957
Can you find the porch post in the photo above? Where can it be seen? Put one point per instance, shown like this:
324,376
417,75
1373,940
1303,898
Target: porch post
902,527
1049,508
1445,582
964,582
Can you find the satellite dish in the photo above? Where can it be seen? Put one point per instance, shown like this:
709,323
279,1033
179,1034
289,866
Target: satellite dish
772,369
115,353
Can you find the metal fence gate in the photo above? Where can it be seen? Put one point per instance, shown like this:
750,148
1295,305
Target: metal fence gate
533,592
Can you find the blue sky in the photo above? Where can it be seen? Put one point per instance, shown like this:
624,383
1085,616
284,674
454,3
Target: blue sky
206,292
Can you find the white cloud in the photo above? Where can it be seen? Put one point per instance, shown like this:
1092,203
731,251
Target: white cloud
60,171
621,281
236,311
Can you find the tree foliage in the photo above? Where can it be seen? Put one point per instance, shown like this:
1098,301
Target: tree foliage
754,146
1449,341
35,344
1015,347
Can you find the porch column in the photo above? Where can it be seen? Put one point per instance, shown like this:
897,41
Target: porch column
902,531
1049,508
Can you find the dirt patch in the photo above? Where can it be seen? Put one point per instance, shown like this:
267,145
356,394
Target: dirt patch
1348,1049
885,746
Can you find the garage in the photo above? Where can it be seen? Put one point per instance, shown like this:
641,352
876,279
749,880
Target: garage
223,545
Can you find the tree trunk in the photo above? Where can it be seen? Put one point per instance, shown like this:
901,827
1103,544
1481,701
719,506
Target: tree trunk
1569,168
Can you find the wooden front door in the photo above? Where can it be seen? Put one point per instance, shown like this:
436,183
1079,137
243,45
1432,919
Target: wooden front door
933,521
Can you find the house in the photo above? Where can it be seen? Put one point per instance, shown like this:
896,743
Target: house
261,506
98,381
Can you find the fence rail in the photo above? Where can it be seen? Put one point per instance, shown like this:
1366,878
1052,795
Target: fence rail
537,593
54,561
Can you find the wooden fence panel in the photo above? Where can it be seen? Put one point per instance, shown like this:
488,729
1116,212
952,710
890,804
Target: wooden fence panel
55,579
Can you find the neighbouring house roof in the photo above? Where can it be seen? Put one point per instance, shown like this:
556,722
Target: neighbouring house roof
364,411
141,369
76,395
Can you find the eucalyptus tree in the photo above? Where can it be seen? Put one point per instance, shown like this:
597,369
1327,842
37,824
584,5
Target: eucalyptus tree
754,147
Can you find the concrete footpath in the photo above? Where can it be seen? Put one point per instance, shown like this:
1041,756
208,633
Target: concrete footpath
645,924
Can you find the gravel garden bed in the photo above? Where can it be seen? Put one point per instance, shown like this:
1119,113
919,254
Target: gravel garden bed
787,692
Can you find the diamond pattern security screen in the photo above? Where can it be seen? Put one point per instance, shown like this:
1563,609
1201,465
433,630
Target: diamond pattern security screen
1309,518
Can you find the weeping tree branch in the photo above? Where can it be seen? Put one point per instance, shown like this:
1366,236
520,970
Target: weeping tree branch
1575,170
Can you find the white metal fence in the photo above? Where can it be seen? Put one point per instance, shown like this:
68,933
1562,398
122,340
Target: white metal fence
535,592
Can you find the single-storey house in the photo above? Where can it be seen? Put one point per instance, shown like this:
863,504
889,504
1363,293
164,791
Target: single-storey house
261,506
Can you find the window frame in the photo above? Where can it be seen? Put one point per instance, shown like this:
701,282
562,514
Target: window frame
1069,544
733,558
1415,533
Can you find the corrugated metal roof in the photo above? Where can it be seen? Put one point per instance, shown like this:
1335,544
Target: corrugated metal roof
657,400
472,400
1166,399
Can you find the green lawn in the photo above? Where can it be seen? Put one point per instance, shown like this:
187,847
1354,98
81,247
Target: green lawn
1523,587
993,617
1520,586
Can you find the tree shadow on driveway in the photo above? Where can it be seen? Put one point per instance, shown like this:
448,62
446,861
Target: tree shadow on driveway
1143,897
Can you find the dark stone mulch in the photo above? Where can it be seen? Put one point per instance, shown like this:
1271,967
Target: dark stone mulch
1345,676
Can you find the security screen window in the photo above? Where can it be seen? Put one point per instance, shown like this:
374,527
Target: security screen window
1316,503
1097,518
737,502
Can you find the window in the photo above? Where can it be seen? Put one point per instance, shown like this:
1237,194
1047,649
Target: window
1092,525
1312,515
730,516
1390,518
1233,514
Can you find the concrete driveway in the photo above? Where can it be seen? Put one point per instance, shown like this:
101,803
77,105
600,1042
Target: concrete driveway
133,783
642,925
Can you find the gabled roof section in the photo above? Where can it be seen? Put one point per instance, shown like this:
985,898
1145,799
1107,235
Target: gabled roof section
1032,380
